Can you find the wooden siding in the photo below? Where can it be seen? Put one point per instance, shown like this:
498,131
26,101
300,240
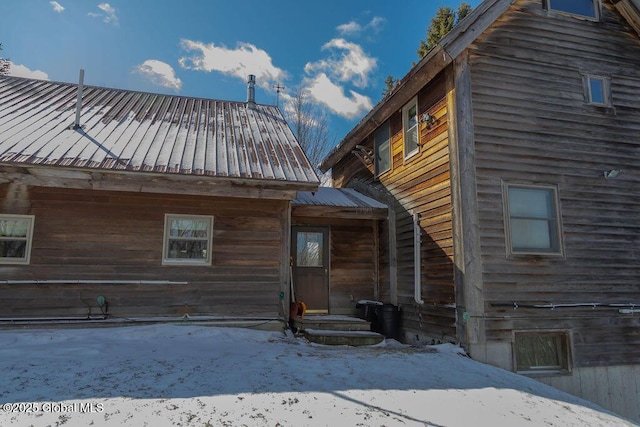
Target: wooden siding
117,236
352,265
533,126
420,184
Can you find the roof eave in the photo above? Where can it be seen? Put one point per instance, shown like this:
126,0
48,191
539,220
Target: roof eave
443,54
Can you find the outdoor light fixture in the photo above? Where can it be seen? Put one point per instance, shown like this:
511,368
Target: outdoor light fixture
611,173
428,119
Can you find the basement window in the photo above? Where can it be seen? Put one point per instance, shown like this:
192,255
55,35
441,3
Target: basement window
187,239
411,131
16,235
538,352
382,149
583,8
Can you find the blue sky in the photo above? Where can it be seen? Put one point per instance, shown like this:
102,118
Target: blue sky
339,50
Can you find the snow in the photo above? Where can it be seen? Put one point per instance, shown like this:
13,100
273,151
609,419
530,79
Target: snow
188,375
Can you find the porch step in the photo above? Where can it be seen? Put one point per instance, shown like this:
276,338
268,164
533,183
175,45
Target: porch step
332,323
337,330
353,338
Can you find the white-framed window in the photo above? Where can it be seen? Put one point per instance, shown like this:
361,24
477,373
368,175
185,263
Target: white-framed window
532,220
382,148
187,239
542,352
597,90
584,8
411,128
16,236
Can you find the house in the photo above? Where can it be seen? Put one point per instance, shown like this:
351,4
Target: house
510,158
122,206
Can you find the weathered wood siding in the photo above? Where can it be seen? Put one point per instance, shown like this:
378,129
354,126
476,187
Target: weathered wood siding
104,235
352,264
533,126
420,184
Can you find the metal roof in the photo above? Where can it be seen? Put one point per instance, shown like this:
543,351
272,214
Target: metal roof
136,131
341,197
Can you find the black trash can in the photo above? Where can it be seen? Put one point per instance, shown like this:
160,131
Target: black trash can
368,310
389,318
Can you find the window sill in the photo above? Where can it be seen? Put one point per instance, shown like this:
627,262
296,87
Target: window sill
174,263
412,154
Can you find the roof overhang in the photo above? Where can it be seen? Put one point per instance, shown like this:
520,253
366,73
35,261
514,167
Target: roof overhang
630,10
342,203
149,182
452,45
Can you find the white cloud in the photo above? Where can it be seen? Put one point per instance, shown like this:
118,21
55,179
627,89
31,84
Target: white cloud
354,28
57,7
159,73
351,64
349,28
323,90
18,70
245,59
109,16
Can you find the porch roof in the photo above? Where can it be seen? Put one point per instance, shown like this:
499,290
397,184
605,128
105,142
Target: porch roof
337,203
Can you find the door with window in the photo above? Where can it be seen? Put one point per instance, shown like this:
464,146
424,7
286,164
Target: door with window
310,254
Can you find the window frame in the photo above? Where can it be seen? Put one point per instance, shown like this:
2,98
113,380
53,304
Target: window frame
554,251
606,89
26,259
416,127
376,147
565,352
597,10
187,261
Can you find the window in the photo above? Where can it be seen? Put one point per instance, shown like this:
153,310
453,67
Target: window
187,239
309,249
587,8
597,90
410,123
16,234
542,352
532,220
382,149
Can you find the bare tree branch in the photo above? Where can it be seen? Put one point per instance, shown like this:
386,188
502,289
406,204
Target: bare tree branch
310,126
4,65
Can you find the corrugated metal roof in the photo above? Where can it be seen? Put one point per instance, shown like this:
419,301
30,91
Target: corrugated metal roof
342,197
136,131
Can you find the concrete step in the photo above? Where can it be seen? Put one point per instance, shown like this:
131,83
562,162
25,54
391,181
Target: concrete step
352,338
332,323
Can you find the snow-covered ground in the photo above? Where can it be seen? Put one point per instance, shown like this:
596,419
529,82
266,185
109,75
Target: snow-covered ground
164,375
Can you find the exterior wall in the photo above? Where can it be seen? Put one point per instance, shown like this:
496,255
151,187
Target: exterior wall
533,126
420,184
104,235
353,261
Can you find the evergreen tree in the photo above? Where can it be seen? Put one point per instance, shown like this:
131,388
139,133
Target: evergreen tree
389,83
445,19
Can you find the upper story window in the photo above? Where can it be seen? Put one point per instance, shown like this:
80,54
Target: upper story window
16,235
532,220
586,8
597,90
187,239
411,131
382,149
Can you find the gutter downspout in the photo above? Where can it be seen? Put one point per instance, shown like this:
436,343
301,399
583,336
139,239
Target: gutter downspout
417,260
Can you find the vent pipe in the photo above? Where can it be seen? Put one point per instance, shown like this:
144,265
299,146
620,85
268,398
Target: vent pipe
251,92
76,124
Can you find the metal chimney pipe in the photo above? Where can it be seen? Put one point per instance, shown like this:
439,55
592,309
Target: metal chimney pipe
251,92
76,124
